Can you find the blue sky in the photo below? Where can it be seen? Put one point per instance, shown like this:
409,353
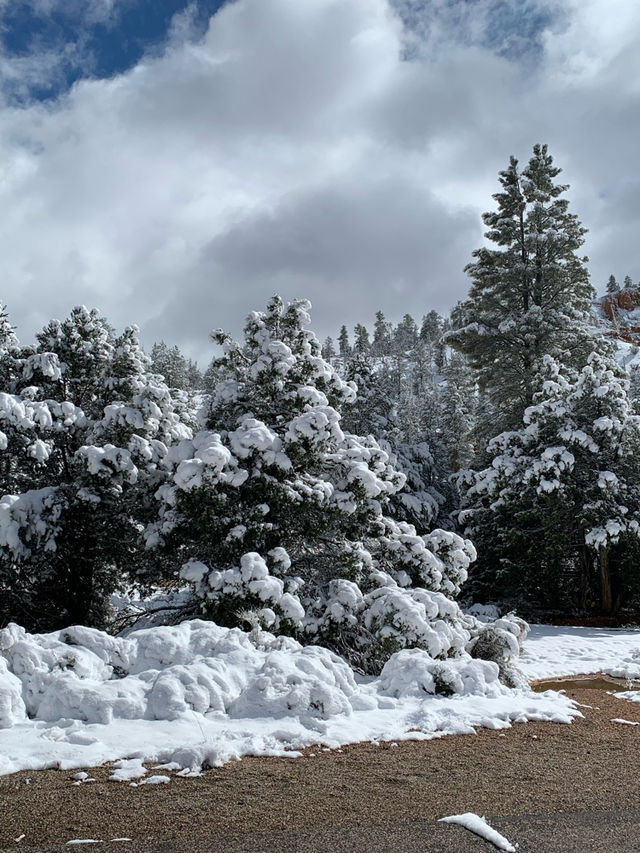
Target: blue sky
175,164
90,38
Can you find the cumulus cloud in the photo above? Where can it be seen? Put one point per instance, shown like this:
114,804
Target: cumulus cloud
336,149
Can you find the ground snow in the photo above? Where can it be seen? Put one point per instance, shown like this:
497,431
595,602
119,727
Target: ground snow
553,651
478,825
196,694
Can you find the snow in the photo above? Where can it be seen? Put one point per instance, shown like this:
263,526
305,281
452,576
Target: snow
478,825
197,694
555,651
158,779
127,769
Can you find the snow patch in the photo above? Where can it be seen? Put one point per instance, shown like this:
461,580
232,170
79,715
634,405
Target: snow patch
479,826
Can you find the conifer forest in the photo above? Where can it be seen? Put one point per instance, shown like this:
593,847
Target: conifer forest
350,492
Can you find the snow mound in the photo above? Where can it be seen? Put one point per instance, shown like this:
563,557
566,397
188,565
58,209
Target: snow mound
628,667
411,672
198,695
165,672
12,708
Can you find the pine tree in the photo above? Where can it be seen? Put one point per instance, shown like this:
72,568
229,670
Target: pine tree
457,413
612,285
431,328
628,283
195,379
381,335
85,430
328,349
170,363
373,411
426,497
361,344
557,512
344,347
282,512
406,335
530,296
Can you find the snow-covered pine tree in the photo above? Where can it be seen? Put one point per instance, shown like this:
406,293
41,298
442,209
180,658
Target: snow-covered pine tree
279,514
405,336
457,412
361,342
531,295
195,378
344,347
373,410
382,331
84,428
612,285
425,498
177,371
431,327
556,513
328,349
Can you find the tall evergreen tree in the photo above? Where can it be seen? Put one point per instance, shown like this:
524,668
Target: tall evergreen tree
457,413
612,285
195,378
328,349
406,335
361,344
344,348
431,328
381,335
530,295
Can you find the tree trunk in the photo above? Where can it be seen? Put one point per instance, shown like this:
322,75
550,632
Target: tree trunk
606,595
585,599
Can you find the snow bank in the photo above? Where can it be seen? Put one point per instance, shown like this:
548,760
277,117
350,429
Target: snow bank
197,694
162,673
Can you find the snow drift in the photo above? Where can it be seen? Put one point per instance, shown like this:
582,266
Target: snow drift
197,693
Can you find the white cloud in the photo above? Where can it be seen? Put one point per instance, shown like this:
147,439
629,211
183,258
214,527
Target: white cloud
294,149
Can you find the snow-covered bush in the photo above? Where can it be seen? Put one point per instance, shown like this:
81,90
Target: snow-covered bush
501,641
279,515
84,426
166,672
412,672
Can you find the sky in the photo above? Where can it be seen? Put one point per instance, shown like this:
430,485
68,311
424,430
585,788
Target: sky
175,164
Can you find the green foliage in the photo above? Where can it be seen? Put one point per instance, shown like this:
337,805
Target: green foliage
556,514
85,427
530,296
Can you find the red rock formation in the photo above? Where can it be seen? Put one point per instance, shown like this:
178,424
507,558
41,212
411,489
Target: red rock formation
615,307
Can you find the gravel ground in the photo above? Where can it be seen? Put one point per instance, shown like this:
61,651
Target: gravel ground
362,797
